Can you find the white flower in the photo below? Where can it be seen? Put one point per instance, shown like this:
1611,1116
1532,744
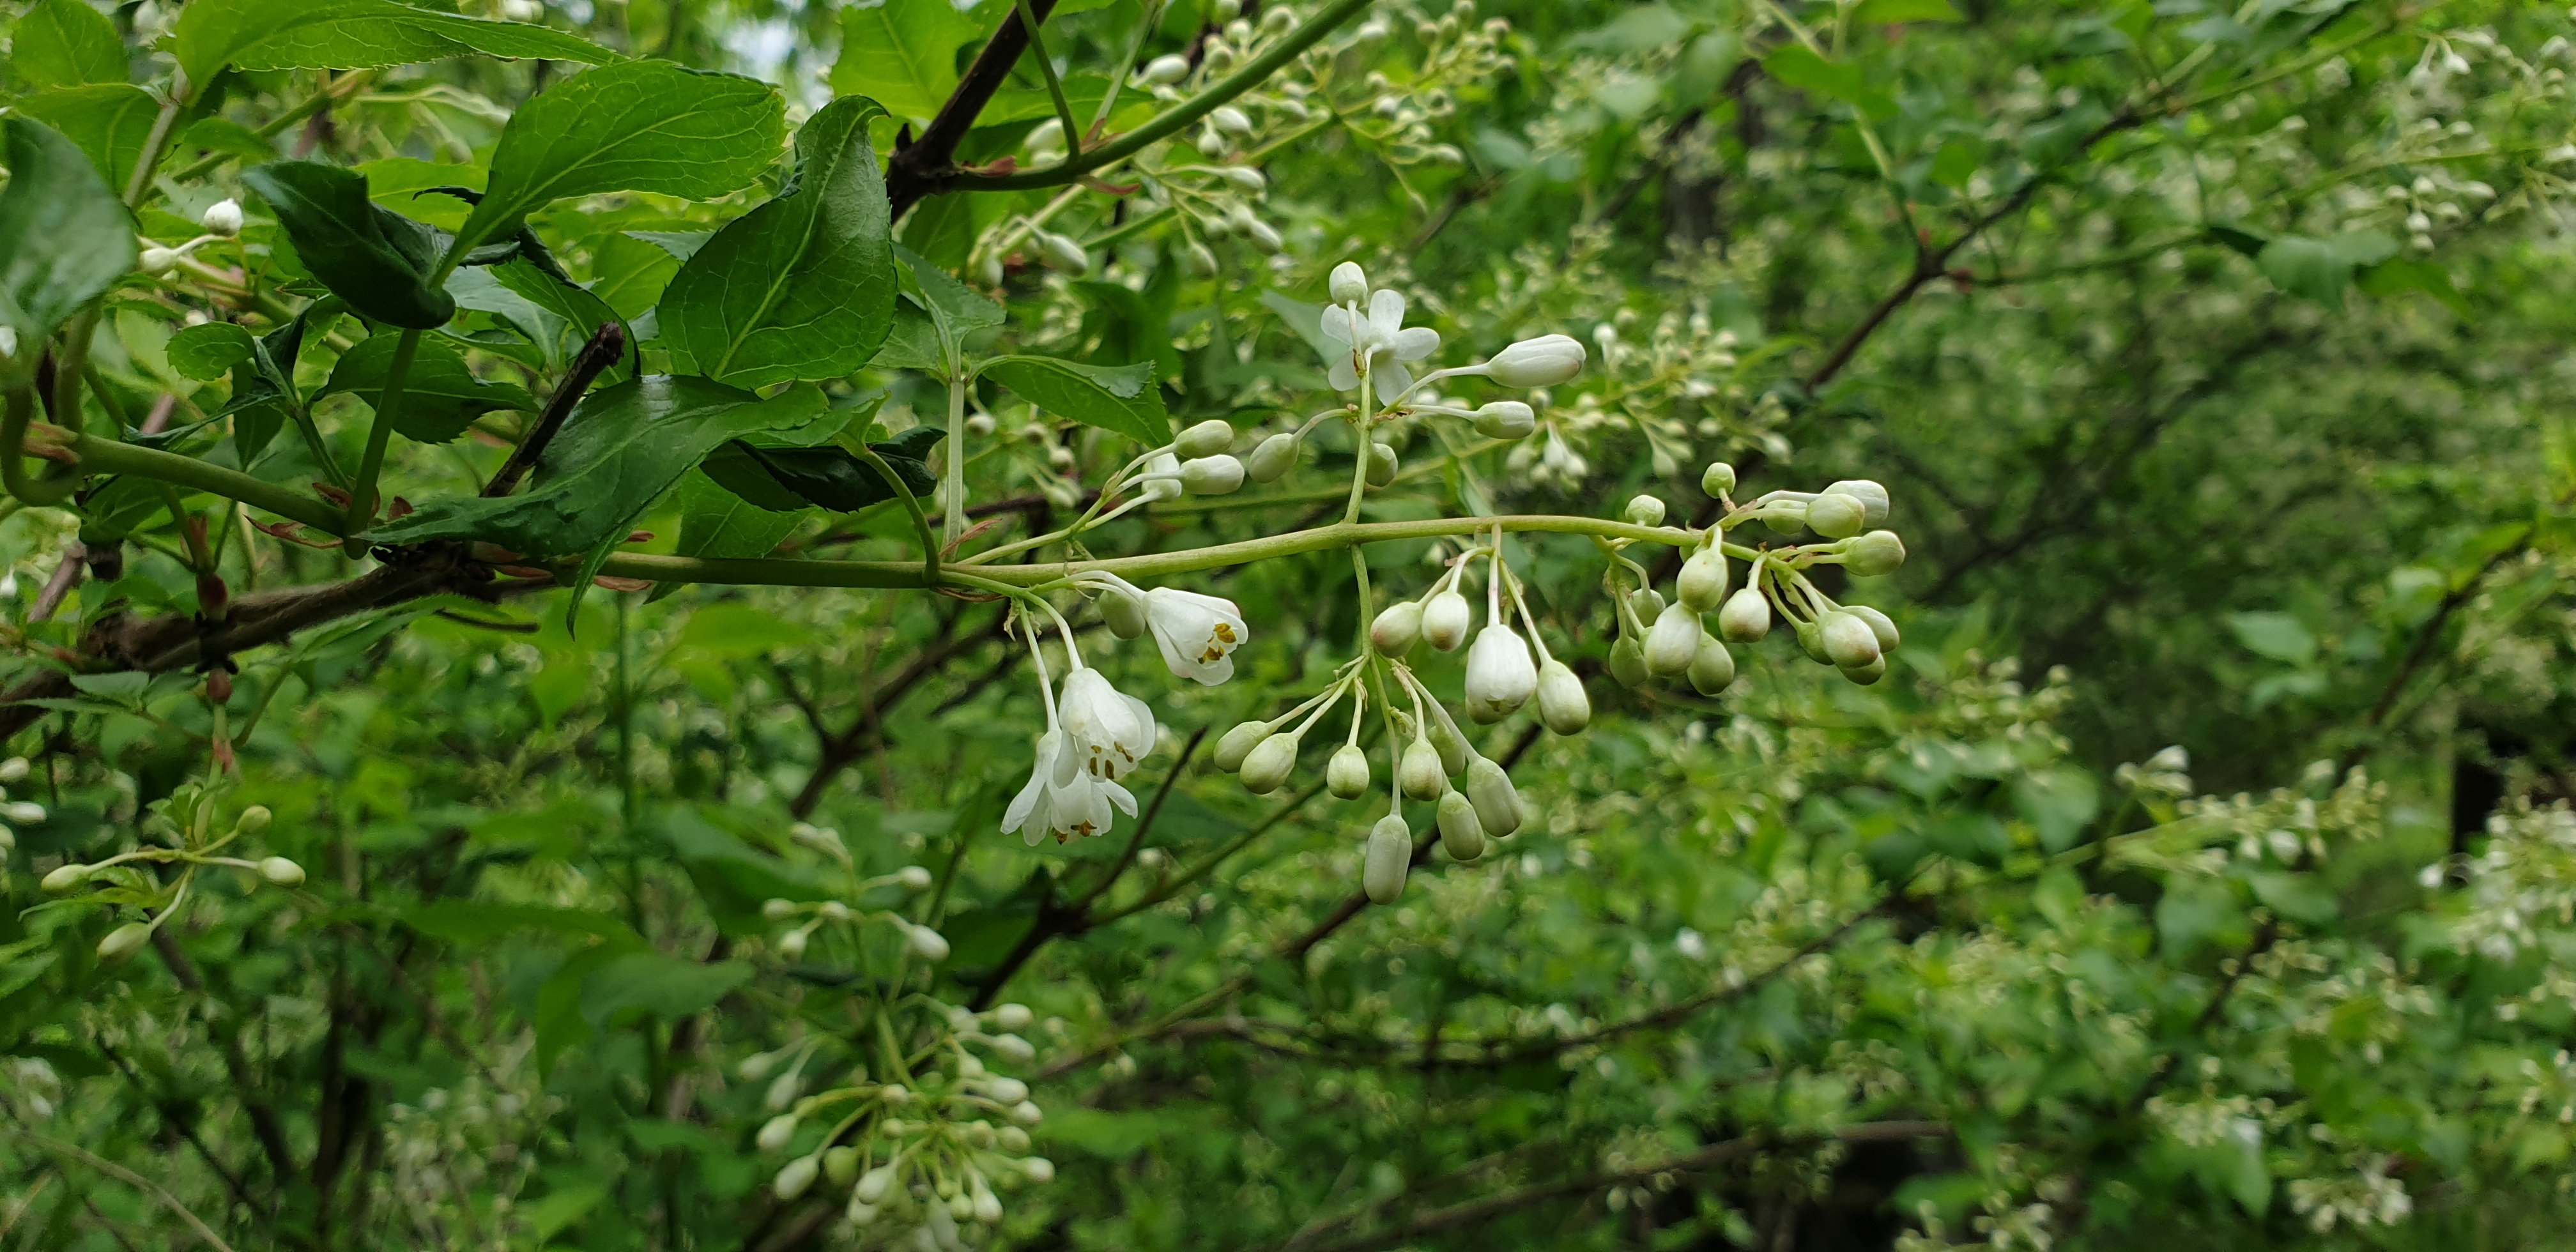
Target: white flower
1197,633
224,218
1106,730
1500,674
1062,799
1383,339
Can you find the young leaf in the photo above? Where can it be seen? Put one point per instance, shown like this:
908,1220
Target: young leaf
802,287
634,126
622,448
65,43
374,258
903,54
350,35
716,522
578,312
110,121
64,235
441,397
1123,399
205,353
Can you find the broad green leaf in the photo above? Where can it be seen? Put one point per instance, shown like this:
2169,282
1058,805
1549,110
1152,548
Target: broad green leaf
629,275
350,35
2299,897
902,54
2320,269
715,522
1892,12
222,134
912,341
65,43
374,258
1123,399
264,394
658,986
208,352
2276,635
2060,803
634,126
1794,65
64,236
802,287
957,309
621,449
681,244
441,396
110,121
831,477
2399,275
577,312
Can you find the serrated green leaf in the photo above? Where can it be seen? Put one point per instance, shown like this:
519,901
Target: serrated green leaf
955,308
110,121
621,449
1121,399
803,287
441,396
65,43
351,35
377,260
635,126
577,314
718,522
902,54
911,342
64,236
208,352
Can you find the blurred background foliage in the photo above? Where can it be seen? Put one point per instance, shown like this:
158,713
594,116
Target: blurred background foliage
2197,873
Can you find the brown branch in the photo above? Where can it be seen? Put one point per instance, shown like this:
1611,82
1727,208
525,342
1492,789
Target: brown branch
2432,633
605,346
927,166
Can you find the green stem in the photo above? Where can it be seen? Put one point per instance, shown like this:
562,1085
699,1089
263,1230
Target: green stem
953,511
13,469
1133,226
920,521
1046,66
106,456
1146,23
362,494
154,144
1169,122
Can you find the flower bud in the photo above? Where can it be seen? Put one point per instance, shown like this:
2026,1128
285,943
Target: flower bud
1879,625
1200,259
1165,469
1873,555
1872,496
1027,1113
988,1207
1270,764
281,872
1746,617
1398,627
840,1165
158,262
1702,586
775,1132
1012,1139
860,1213
1125,613
1389,857
1349,284
795,1177
1501,676
1168,68
1547,361
1231,120
1013,1016
1238,743
1263,236
224,218
1498,803
1445,620
67,878
1628,661
1647,603
913,878
123,941
1645,510
929,944
1063,254
783,1090
1672,642
1712,668
16,768
1211,475
874,1184
777,910
755,1067
1273,458
895,1095
1039,1169
1382,465
1419,772
1347,774
1206,438
1506,419
1006,1090
1718,480
1837,516
253,820
1562,703
1462,836
791,946
1867,674
1784,517
1847,640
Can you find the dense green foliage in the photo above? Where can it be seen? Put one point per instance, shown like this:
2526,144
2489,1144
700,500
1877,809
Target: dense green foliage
441,814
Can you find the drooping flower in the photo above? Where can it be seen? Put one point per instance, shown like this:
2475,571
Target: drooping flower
1500,674
1107,731
1382,339
1198,634
1061,798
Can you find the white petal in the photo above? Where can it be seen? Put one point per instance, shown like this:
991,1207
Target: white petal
1392,381
1386,312
1341,375
1337,324
1120,796
1416,342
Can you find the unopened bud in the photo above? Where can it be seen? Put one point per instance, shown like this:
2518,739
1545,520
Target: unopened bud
1847,640
1506,419
1672,642
1211,475
1013,1017
158,262
1562,703
1872,496
1200,259
1349,284
874,1184
1837,516
1039,1169
841,1165
1063,254
1746,617
1263,236
1702,586
1497,801
123,941
1382,465
1628,661
1718,480
1270,764
1712,669
14,770
224,218
1388,859
22,812
1445,620
929,944
1238,743
67,878
1645,511
796,1177
988,1207
981,424
1784,517
1347,774
1462,836
1231,120
1398,627
281,872
1867,674
1875,554
1124,613
1273,458
253,820
1205,439
1006,1090
1169,68
775,1132
783,1090
1547,361
791,946
1419,771
1027,1114
1879,625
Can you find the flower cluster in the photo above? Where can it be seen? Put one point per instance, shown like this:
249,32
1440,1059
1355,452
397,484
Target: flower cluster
15,812
179,830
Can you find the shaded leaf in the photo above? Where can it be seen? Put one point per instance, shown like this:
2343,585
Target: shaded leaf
65,43
209,351
718,522
903,54
110,121
368,255
2320,269
350,35
441,396
1121,399
64,236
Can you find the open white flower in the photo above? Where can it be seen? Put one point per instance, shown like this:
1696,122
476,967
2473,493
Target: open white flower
1382,339
1107,730
1198,634
1062,799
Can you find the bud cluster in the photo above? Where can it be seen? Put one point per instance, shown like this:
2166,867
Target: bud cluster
812,917
178,830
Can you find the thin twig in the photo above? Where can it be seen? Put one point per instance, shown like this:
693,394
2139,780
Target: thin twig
605,346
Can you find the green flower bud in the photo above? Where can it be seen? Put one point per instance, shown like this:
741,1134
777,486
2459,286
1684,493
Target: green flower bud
1878,624
1703,582
1270,764
1461,834
1718,480
1506,419
1012,1139
1872,496
1238,743
1628,662
1672,642
1013,1017
281,872
1746,617
1452,749
1562,703
67,878
1446,619
841,1165
1204,439
1419,771
1811,640
1124,613
1785,517
1382,465
1039,1169
775,1132
1498,803
123,941
1062,253
1867,674
795,1178
1212,475
1837,516
874,1184
1875,554
254,820
1273,458
1398,627
1389,857
1347,774
1645,511
1847,640
1647,603
1712,668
